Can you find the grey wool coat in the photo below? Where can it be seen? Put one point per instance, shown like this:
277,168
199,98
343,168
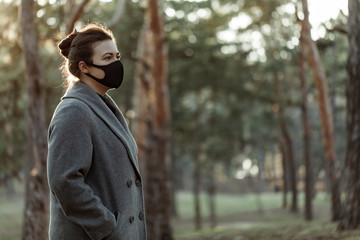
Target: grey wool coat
96,187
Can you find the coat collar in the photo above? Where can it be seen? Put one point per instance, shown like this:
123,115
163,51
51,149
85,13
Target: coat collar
114,120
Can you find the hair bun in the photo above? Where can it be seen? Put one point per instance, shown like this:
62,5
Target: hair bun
65,44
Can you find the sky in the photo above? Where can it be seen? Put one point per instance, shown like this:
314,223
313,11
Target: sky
323,10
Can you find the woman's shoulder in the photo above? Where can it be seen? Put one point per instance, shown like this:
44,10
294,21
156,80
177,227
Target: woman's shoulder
73,105
72,109
70,117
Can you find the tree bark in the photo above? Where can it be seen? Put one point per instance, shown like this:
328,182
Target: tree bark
259,188
288,150
196,192
152,128
211,187
261,166
306,126
73,12
351,217
290,160
120,9
285,174
35,226
141,94
174,211
333,85
256,189
327,126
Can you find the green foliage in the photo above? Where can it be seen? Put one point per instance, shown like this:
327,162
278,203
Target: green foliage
223,56
13,100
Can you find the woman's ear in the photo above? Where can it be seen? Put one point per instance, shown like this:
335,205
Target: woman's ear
83,67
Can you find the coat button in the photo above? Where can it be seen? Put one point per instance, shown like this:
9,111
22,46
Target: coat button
138,183
129,183
141,216
131,219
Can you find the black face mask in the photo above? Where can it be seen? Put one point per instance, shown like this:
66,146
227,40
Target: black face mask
114,74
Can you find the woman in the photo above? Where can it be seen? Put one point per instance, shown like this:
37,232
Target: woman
93,172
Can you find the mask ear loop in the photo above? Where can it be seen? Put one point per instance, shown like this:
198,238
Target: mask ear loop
89,64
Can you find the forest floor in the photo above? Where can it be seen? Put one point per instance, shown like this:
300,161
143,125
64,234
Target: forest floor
238,218
271,224
247,222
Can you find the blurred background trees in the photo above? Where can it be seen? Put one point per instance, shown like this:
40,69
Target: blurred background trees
350,218
36,213
235,96
152,124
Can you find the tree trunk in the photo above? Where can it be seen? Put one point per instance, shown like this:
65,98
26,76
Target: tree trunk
37,193
306,125
120,9
351,217
273,171
196,192
261,166
152,128
141,94
290,160
174,212
288,150
212,193
259,188
73,13
256,189
333,84
324,110
176,178
285,174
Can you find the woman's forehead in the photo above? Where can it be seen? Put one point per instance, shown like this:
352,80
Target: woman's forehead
106,46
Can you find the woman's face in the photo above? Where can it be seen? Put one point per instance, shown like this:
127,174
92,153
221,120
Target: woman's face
104,53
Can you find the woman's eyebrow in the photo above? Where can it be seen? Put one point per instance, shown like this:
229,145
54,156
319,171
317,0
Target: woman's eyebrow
111,53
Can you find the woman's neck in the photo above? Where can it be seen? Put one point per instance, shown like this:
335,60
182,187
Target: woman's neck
97,87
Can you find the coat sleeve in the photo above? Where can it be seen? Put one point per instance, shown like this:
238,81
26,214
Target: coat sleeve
69,160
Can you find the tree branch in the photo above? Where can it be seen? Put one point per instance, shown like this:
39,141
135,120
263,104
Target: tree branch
118,14
74,14
338,29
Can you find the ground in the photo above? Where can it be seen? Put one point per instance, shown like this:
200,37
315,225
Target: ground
271,224
239,218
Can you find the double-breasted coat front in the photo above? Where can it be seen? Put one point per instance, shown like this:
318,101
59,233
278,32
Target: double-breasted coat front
96,187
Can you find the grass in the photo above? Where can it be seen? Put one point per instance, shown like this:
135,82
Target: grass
276,224
238,218
11,212
230,203
11,219
225,203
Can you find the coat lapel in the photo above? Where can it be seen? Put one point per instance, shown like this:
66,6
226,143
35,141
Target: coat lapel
114,120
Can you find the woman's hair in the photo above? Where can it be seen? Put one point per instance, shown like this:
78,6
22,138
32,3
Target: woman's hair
78,46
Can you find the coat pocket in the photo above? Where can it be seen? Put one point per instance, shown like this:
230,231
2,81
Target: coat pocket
119,232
